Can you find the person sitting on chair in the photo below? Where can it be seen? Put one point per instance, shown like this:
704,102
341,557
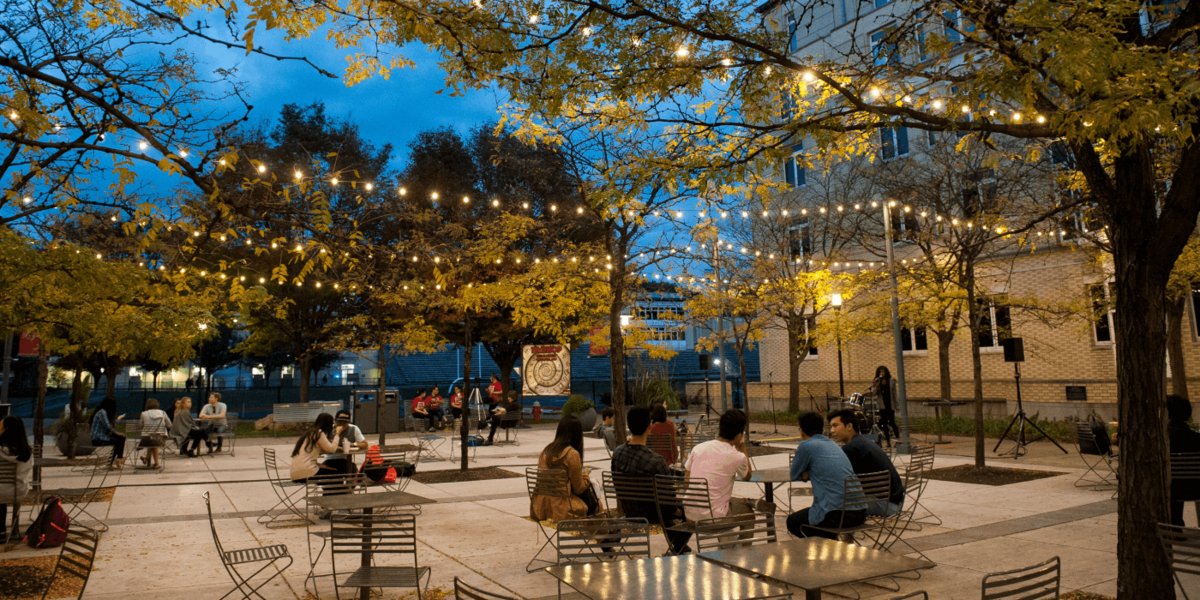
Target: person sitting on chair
819,460
456,405
565,453
634,458
435,407
344,434
1181,439
719,462
604,429
502,409
420,409
14,448
866,457
155,425
213,415
661,426
184,429
103,433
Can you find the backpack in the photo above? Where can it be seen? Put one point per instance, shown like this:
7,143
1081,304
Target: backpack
49,529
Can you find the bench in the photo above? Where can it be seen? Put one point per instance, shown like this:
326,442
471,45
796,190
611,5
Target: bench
302,413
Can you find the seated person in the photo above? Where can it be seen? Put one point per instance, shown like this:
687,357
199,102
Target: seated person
213,416
420,409
14,449
456,404
866,457
104,434
155,425
1181,439
719,461
660,426
634,458
183,428
435,407
565,453
503,408
344,435
604,429
819,460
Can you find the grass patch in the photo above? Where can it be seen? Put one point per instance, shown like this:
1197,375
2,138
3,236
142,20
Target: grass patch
988,475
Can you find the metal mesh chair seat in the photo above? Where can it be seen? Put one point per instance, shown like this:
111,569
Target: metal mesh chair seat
1101,473
385,577
550,483
462,591
859,493
1037,582
1182,545
249,555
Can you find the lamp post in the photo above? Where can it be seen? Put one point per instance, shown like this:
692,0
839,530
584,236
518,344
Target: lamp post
836,301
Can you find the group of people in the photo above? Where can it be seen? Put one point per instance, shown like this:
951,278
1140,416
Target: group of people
157,426
430,408
819,459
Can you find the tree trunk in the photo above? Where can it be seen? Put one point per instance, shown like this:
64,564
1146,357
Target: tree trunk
616,346
741,351
73,412
944,339
39,407
1175,309
464,430
794,360
976,362
305,371
381,396
505,361
7,369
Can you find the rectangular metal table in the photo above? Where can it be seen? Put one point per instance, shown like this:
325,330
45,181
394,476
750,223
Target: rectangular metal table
368,503
770,477
684,576
812,564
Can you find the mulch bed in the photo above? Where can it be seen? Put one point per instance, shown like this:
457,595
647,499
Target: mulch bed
27,578
988,475
105,495
456,475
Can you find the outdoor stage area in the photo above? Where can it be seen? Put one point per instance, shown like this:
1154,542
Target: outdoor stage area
159,544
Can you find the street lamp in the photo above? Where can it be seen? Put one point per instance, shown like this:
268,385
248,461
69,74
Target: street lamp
836,301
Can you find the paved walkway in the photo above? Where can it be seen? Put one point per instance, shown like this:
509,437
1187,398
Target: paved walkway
160,544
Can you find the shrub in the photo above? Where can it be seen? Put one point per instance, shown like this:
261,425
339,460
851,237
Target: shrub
660,389
576,405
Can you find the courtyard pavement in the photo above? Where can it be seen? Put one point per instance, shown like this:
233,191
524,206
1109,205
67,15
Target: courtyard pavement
160,544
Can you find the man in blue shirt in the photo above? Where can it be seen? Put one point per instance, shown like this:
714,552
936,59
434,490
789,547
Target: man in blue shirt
821,461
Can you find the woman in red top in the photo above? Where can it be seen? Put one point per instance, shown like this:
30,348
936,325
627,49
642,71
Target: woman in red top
456,403
435,407
660,438
420,409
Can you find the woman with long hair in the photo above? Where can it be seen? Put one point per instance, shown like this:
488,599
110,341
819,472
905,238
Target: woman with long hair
103,433
565,453
312,443
155,425
14,448
662,429
884,385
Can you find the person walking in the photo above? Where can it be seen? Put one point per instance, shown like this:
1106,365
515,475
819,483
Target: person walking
885,390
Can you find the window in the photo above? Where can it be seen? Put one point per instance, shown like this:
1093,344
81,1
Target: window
979,192
657,313
793,169
799,239
905,225
884,47
893,142
913,340
810,324
667,334
1101,296
793,42
995,323
882,3
1196,308
1059,155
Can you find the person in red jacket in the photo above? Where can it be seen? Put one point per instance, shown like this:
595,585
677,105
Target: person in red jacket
436,412
456,405
420,409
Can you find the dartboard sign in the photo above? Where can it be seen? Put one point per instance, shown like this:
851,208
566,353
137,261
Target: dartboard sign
546,370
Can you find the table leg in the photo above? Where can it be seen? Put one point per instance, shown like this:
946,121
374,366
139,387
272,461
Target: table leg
770,485
365,592
812,594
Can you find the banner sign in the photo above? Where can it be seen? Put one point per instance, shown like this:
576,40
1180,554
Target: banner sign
28,344
598,348
546,370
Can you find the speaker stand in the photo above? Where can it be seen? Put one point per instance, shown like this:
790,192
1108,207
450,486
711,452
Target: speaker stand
1020,420
771,394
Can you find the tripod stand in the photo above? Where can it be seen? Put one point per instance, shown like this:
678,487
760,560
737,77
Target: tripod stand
771,395
1020,420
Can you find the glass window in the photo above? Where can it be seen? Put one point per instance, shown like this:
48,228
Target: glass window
882,3
914,339
810,323
799,239
1101,324
893,142
883,46
793,42
793,168
995,323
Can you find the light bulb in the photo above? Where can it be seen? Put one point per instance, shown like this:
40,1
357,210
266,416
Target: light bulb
262,168
143,145
370,187
466,200
403,191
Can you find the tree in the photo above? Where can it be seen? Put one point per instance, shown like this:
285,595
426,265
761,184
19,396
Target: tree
270,361
212,355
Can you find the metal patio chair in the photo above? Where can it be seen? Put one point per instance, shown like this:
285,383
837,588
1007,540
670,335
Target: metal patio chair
1182,545
8,479
735,530
859,493
595,540
1185,466
325,485
1101,472
675,495
426,441
97,473
76,559
379,536
920,594
662,445
463,591
552,483
922,458
289,492
1038,582
267,556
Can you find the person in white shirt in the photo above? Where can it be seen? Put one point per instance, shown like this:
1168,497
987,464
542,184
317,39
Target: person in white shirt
213,415
155,425
345,435
719,462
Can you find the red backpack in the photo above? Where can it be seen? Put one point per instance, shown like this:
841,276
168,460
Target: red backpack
49,529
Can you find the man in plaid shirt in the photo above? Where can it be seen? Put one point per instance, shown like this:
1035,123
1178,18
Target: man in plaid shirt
634,458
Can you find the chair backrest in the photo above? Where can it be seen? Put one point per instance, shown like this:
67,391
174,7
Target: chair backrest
552,483
662,445
463,591
153,427
737,530
1085,439
77,558
861,491
133,429
1182,545
333,484
384,533
631,488
922,456
270,463
1185,466
1028,583
675,495
8,473
213,526
589,540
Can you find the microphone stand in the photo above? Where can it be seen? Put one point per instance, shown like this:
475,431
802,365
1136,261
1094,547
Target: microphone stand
771,394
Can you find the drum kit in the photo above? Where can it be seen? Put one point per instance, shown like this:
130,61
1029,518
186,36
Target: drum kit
867,405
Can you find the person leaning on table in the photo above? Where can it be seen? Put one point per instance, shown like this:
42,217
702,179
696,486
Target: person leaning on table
344,433
821,461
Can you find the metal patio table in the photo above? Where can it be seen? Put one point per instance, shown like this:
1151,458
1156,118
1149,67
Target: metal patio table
683,576
813,564
770,477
